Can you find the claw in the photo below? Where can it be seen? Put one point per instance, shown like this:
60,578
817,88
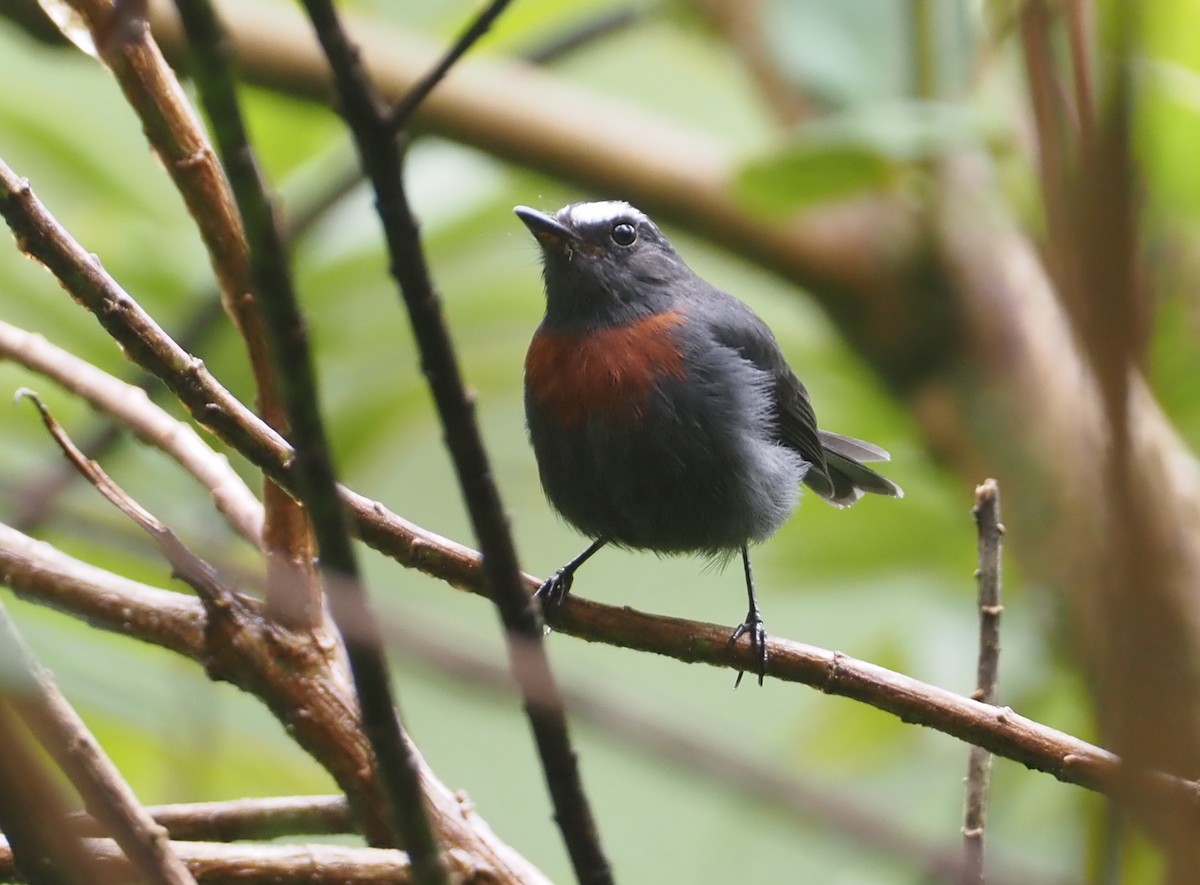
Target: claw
758,643
752,625
555,588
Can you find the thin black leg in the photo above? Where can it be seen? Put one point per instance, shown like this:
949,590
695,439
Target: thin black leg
558,585
752,625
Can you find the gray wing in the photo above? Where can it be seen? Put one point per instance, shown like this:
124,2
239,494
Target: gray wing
735,325
837,473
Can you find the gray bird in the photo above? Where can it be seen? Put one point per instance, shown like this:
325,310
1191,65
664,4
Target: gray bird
662,413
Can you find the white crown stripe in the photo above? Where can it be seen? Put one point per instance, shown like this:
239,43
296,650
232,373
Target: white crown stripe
586,214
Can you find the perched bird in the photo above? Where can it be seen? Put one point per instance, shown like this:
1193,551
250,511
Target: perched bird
661,410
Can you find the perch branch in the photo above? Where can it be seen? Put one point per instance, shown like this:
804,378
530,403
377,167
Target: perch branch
998,730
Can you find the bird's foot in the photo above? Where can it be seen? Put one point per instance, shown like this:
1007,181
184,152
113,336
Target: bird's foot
555,588
753,625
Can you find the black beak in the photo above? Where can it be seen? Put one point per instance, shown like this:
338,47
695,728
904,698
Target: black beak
547,231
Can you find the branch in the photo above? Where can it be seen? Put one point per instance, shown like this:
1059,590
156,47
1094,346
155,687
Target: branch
107,796
979,761
220,864
130,406
402,112
33,812
999,730
293,675
287,337
42,574
244,819
382,160
185,564
179,141
683,747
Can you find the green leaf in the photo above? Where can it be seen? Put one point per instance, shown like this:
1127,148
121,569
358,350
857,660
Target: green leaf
856,151
811,171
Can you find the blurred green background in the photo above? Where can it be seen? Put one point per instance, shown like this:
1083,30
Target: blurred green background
888,581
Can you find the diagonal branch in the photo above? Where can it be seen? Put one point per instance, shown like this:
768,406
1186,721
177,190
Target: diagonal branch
107,796
185,564
287,338
130,406
174,132
382,159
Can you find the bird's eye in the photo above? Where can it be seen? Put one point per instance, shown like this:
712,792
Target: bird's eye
623,233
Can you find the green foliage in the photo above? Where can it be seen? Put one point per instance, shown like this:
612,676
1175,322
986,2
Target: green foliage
855,151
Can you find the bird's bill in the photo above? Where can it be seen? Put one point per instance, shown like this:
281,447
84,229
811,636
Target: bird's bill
545,228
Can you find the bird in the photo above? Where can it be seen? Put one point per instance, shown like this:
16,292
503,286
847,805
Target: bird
662,413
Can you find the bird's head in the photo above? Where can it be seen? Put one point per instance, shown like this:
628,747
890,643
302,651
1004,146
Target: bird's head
605,263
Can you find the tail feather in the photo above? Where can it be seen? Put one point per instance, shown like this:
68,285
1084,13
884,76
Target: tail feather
846,479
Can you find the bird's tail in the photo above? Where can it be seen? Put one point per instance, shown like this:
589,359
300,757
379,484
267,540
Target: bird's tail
846,478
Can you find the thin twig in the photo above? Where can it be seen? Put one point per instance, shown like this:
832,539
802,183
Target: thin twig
185,564
979,760
130,406
239,820
105,793
378,150
587,32
215,863
480,25
287,336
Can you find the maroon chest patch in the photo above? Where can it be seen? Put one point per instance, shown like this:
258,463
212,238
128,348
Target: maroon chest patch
610,372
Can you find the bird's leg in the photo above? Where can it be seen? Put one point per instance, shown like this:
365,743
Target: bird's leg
558,585
752,625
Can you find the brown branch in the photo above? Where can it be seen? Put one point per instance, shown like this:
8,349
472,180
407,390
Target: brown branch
33,812
220,864
244,819
979,761
683,747
39,573
382,160
185,565
996,729
105,793
287,337
178,139
130,406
